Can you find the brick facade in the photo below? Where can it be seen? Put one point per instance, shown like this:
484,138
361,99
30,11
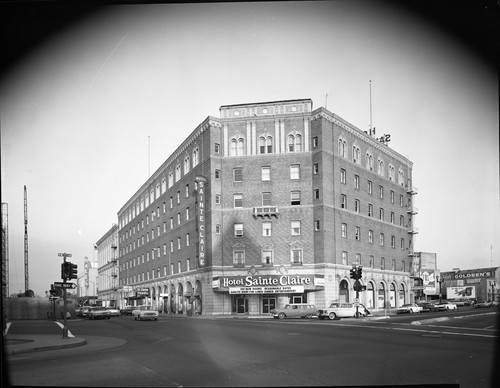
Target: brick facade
280,195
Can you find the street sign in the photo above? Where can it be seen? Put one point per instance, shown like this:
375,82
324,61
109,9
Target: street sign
64,254
64,285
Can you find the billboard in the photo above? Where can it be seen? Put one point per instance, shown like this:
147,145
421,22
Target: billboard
468,292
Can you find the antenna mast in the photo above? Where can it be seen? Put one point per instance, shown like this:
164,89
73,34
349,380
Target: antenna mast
370,107
26,272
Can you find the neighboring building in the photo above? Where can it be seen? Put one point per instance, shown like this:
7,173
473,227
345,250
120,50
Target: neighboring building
269,204
5,250
87,283
480,284
107,268
426,276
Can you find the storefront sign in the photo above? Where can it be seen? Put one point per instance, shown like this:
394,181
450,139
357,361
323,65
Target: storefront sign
142,292
472,274
267,290
267,284
201,219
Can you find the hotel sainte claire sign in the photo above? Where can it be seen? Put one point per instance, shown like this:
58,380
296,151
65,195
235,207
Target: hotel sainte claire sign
201,218
267,284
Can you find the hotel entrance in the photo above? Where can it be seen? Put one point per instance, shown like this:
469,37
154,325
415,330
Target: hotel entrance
268,303
240,304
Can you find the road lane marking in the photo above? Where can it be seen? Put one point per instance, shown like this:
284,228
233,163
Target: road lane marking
62,327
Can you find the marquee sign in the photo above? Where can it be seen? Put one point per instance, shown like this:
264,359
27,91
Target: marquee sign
267,284
201,219
472,274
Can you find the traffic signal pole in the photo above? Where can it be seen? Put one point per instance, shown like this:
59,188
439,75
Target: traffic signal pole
65,276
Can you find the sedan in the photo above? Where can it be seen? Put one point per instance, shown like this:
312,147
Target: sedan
114,311
446,305
427,306
99,313
145,312
409,308
341,310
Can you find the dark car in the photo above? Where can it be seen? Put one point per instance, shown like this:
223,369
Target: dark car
127,310
428,307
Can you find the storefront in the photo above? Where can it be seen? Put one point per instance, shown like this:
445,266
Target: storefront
259,294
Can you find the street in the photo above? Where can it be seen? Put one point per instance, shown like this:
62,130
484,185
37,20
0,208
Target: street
176,351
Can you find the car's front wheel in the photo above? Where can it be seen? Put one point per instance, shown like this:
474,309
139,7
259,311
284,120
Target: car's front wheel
281,315
332,316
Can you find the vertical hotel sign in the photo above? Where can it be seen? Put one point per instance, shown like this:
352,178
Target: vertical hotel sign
201,181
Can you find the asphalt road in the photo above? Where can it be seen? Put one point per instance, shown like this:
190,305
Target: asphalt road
244,352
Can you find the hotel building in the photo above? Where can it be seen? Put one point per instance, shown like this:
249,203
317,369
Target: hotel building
268,204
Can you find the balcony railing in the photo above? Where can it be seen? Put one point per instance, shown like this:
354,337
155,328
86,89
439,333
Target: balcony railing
265,211
412,190
412,210
412,230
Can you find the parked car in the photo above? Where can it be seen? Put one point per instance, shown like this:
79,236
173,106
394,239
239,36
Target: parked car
428,306
127,310
114,311
99,313
84,312
482,304
294,310
145,312
409,308
446,305
341,310
461,302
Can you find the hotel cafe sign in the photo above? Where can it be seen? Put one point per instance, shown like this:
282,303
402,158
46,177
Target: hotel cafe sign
267,284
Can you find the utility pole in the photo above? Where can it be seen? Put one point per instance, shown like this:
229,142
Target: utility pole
65,274
26,271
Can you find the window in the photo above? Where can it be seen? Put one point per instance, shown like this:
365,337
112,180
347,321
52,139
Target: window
344,230
371,261
188,240
358,258
401,201
178,218
381,214
370,210
342,148
393,241
195,157
238,174
356,181
267,229
187,214
315,141
392,196
267,257
370,236
295,198
358,233
178,173
316,225
381,239
232,147
357,206
217,199
401,220
295,171
217,229
239,257
355,154
266,199
186,165
369,162
380,167
217,174
266,145
342,175
178,197
392,217
296,256
217,148
381,192
238,200
392,173
370,187
344,258
178,243
343,201
240,149
266,173
402,244
316,193
315,168
238,230
295,228
171,222
382,263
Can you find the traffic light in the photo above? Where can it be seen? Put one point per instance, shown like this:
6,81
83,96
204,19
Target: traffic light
360,272
73,271
353,273
65,270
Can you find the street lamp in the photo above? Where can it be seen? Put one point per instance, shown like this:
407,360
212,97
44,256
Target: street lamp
440,280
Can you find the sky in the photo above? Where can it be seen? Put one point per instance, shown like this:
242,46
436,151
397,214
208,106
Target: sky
88,113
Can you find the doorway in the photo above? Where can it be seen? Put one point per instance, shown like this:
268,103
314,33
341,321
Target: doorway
268,304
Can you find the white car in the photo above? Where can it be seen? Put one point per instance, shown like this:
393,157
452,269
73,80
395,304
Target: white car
409,308
340,310
114,311
145,312
446,305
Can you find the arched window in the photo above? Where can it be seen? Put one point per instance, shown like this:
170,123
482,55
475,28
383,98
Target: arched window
369,162
291,143
240,150
342,148
170,179
265,145
232,147
177,173
269,145
195,157
298,143
186,165
355,154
